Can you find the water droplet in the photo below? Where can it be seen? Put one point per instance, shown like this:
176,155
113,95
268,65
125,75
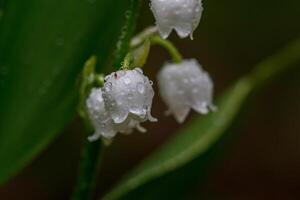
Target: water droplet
99,99
127,81
136,110
108,86
107,77
139,70
140,88
145,108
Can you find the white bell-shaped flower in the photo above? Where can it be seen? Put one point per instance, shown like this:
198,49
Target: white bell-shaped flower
128,96
121,105
99,116
129,125
101,119
186,86
182,15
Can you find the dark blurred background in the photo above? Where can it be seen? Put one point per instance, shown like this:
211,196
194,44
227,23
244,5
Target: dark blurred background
260,158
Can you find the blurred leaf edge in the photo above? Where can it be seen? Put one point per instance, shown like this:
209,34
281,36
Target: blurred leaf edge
198,135
44,45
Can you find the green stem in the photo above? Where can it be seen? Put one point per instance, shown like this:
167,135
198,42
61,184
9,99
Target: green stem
128,62
140,38
127,32
169,46
88,170
91,152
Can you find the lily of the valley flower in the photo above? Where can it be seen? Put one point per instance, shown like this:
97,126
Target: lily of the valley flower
182,15
121,105
185,86
99,116
128,94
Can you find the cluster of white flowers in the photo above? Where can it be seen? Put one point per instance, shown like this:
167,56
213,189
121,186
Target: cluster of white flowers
125,100
121,105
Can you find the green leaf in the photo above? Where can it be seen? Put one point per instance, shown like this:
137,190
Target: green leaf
43,46
199,135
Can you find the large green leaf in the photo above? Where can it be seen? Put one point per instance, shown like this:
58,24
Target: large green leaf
43,45
200,134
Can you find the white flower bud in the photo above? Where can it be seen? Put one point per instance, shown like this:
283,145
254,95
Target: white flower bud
181,15
128,96
99,116
184,86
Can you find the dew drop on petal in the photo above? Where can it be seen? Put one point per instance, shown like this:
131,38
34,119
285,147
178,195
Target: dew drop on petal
108,86
129,94
127,81
139,70
189,87
140,88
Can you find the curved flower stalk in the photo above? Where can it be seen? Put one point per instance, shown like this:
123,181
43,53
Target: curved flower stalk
182,15
185,86
121,105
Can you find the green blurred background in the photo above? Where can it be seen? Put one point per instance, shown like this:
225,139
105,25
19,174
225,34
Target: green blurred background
259,158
